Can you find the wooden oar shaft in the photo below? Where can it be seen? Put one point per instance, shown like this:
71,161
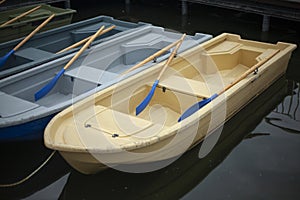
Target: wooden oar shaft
2,1
171,56
85,40
249,71
33,32
156,54
84,47
20,16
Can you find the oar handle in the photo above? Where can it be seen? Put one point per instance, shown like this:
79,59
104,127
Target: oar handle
171,56
20,16
84,40
2,1
249,71
156,54
34,32
86,45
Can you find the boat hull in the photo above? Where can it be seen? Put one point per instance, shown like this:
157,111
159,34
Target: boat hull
32,130
86,163
191,131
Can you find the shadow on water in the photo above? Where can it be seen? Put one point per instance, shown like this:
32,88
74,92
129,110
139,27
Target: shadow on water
20,159
183,175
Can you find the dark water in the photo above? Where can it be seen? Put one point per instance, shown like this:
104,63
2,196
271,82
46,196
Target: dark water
257,156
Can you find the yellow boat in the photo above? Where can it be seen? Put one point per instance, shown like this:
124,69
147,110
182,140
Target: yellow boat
104,131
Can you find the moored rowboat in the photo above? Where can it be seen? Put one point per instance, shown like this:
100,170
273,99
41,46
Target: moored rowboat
103,130
188,169
21,117
26,24
44,47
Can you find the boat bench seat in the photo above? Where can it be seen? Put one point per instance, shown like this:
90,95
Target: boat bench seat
11,105
114,121
33,53
186,86
91,74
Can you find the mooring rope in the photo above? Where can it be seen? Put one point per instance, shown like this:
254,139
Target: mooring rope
30,175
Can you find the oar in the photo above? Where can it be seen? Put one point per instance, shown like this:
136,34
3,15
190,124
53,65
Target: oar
197,106
4,58
47,88
84,40
146,101
20,16
2,1
152,57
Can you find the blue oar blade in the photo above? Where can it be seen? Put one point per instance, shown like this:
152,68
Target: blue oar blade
47,88
146,101
197,106
5,58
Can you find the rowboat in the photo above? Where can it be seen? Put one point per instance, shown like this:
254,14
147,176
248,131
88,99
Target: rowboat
44,47
188,169
103,130
22,117
26,24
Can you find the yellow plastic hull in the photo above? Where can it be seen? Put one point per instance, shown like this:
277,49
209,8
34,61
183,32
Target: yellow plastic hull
103,130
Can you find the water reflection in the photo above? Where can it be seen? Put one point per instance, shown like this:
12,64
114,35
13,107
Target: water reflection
20,159
183,175
286,115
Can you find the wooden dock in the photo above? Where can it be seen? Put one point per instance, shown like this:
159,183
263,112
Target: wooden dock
285,9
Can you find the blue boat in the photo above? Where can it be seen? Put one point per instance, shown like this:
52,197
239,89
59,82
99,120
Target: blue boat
43,47
23,118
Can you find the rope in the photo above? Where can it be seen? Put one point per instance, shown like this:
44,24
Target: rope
30,175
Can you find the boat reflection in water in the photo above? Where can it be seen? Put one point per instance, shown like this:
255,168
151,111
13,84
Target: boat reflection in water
285,115
184,174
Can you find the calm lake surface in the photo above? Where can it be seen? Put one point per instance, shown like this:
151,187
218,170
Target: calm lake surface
257,156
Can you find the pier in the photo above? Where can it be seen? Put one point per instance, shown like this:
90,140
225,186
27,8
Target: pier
285,9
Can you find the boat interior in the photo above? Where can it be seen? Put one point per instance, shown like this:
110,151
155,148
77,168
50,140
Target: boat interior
50,47
40,49
183,84
101,66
